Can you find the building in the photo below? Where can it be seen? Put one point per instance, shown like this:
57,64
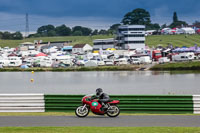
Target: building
27,46
104,43
58,44
131,37
81,48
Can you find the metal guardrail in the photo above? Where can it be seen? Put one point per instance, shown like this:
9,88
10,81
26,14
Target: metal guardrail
22,103
128,103
196,104
169,104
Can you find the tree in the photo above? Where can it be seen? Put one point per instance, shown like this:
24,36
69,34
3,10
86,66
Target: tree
164,26
175,17
1,35
137,16
63,30
17,36
84,30
95,32
7,35
34,35
51,33
176,22
77,33
113,28
43,30
153,26
103,32
76,28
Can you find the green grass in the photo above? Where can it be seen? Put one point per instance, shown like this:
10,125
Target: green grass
178,66
99,129
99,68
75,39
162,40
175,40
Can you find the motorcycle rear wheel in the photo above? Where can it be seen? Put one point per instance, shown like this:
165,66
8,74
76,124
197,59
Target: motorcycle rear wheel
113,111
81,112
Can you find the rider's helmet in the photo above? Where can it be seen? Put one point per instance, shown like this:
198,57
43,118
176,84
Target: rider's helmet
99,91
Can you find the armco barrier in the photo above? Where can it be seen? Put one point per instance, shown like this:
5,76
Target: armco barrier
22,103
130,103
196,104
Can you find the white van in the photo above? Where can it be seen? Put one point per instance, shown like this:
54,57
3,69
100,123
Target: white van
183,57
163,60
123,61
136,61
145,60
4,62
14,61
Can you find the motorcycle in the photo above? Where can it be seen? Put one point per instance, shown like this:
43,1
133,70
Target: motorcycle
89,102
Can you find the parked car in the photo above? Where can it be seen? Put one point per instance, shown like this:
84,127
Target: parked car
135,61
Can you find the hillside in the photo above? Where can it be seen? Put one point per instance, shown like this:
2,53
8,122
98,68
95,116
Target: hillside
175,40
162,40
75,39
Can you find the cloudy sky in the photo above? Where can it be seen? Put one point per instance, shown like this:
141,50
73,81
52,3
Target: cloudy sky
97,14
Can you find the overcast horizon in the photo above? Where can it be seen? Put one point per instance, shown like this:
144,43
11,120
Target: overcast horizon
89,13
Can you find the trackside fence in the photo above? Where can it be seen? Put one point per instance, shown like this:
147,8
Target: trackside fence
168,104
22,103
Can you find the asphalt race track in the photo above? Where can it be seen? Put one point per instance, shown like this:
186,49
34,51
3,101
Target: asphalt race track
102,121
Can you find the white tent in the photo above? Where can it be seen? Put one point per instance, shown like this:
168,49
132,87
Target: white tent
188,30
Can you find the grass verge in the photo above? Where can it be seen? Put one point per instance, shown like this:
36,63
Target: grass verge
100,129
68,69
155,40
74,39
195,66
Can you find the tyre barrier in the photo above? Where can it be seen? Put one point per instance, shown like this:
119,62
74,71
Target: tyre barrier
22,103
168,104
196,104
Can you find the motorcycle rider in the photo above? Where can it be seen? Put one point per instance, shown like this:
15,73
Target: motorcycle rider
103,98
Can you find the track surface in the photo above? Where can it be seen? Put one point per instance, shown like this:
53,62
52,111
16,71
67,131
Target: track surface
104,121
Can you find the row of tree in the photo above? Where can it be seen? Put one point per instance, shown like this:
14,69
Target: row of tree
63,30
11,36
138,16
142,17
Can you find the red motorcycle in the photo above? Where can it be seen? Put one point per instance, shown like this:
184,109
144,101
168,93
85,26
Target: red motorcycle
89,102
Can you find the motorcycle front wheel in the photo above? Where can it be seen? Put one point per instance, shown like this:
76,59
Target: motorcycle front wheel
113,111
82,111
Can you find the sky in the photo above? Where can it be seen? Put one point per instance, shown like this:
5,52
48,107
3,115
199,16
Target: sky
96,14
